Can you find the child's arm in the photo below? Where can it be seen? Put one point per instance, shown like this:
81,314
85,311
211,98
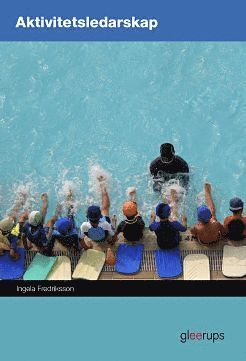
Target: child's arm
193,231
23,217
44,198
50,225
24,241
84,245
115,237
152,218
223,230
184,221
118,230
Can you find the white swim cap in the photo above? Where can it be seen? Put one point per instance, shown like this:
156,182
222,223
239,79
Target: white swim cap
34,218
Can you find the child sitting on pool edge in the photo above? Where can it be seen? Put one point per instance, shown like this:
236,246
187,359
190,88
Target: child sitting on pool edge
65,230
208,230
8,227
132,227
235,225
98,228
167,230
36,232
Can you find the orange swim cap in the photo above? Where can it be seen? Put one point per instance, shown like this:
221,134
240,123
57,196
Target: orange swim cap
130,209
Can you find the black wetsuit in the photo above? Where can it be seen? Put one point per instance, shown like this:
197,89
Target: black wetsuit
178,168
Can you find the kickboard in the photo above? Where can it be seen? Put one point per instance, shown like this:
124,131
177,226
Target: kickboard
39,268
196,267
234,261
61,271
168,263
90,265
128,258
9,269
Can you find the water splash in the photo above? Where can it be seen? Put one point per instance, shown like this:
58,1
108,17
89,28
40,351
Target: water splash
180,195
129,191
96,171
21,199
69,195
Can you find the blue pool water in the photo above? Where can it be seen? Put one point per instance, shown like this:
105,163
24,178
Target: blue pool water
67,106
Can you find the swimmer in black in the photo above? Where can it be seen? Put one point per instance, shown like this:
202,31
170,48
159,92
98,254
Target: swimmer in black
168,166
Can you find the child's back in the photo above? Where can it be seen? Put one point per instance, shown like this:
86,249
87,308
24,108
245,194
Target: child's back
132,228
235,225
167,232
209,232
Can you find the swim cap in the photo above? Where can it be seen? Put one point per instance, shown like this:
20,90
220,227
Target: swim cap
167,152
130,209
34,218
96,234
163,210
94,213
63,225
236,204
6,224
203,214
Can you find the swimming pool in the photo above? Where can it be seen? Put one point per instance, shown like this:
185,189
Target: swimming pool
67,106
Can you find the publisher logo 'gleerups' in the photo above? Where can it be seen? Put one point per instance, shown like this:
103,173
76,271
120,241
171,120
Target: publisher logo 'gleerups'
192,336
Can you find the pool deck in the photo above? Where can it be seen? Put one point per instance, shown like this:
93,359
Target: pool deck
149,241
150,244
187,243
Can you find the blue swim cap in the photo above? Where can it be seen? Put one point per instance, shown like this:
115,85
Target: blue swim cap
236,204
94,213
96,234
63,225
203,214
163,210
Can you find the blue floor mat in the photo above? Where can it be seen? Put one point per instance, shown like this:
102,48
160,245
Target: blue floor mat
128,258
168,263
9,269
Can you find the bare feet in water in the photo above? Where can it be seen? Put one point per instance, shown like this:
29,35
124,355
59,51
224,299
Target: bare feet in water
174,195
101,179
58,210
173,203
69,195
44,197
102,182
131,192
207,187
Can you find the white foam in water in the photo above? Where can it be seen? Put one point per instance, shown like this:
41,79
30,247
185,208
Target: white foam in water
130,190
200,198
96,171
67,187
174,184
21,198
